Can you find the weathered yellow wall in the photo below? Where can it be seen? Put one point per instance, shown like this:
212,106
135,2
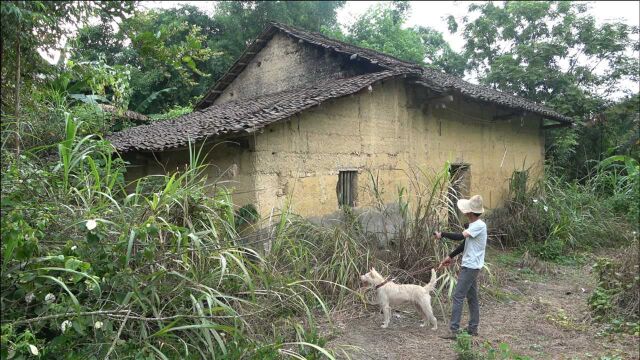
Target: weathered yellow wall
388,131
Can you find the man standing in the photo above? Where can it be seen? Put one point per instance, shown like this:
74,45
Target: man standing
474,241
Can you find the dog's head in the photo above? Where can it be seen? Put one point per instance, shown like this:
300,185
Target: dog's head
371,278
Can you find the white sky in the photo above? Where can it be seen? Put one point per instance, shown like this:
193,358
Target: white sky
434,13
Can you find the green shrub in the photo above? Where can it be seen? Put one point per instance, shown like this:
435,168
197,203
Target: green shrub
553,218
616,298
465,350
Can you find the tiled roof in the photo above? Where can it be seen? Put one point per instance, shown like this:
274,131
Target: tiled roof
445,83
248,115
240,116
435,80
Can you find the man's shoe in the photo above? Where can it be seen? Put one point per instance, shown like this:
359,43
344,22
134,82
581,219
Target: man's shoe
450,335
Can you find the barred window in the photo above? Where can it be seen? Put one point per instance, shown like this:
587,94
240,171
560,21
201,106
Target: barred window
347,188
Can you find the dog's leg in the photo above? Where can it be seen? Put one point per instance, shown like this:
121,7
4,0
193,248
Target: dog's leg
425,304
423,315
386,310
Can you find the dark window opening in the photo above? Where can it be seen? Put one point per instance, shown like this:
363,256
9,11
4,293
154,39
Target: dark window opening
460,184
347,188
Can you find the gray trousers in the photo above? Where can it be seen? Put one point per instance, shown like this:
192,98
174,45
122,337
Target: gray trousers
467,287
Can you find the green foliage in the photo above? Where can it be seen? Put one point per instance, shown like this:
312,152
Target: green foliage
168,50
616,298
380,29
158,266
173,113
536,39
464,348
554,218
40,25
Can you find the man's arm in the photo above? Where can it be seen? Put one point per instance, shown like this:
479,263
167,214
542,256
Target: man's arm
453,236
458,250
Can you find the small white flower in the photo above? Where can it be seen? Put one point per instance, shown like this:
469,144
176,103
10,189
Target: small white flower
546,208
91,224
34,350
73,247
50,298
65,325
535,201
29,298
148,225
98,324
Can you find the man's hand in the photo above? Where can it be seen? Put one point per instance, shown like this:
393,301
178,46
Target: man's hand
445,263
437,234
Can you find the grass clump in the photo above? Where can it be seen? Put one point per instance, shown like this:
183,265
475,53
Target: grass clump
466,350
616,298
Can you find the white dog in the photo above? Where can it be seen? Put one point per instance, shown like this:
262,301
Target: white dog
392,294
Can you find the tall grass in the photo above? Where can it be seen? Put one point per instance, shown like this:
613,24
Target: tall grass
554,216
90,270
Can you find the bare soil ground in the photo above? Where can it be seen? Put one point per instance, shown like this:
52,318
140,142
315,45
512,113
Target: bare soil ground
540,316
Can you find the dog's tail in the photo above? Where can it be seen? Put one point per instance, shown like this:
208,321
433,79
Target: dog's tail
432,283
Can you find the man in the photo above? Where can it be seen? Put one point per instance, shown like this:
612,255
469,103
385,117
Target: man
474,241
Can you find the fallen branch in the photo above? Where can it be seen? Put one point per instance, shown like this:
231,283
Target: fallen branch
115,340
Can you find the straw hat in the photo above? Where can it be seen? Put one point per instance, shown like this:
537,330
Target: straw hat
472,205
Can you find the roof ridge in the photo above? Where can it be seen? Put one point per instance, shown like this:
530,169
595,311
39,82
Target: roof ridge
288,28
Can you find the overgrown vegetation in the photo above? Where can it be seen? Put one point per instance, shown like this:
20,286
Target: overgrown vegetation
556,217
616,299
95,267
160,267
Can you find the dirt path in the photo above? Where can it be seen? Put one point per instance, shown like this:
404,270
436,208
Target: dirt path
544,317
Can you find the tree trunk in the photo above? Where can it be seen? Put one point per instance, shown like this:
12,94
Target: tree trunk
17,94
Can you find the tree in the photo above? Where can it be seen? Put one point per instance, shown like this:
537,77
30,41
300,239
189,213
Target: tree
549,51
169,52
29,26
553,53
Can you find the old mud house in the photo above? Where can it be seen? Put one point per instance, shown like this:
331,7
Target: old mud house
305,117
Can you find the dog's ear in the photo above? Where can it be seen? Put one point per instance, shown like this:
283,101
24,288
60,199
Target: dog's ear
373,269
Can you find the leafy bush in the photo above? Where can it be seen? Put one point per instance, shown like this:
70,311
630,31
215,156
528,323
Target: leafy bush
464,348
616,298
553,218
173,113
